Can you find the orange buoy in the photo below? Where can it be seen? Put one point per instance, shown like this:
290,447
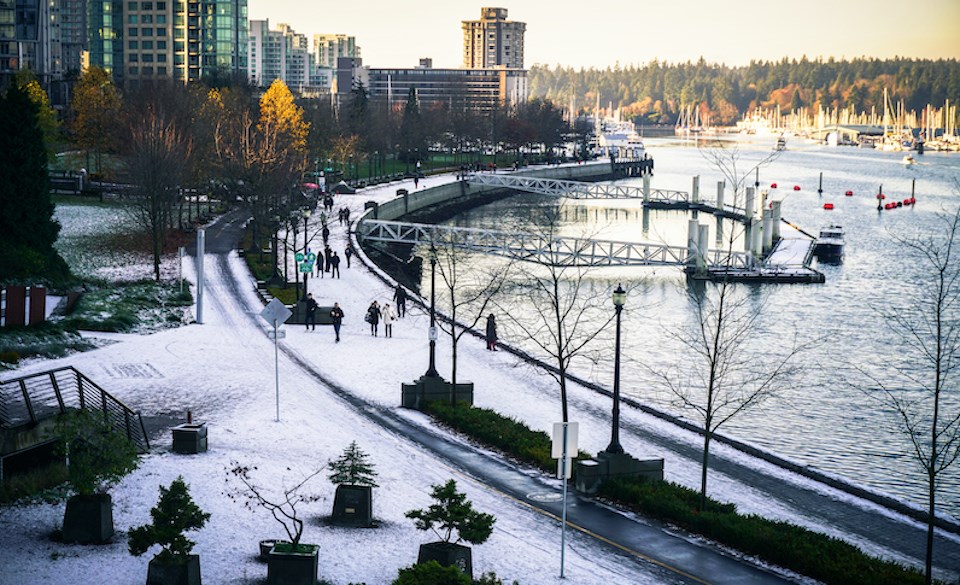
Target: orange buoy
849,193
828,205
796,187
773,185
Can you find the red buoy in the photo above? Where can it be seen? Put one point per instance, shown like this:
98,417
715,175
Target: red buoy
888,206
796,187
828,205
773,185
906,201
881,196
849,193
913,200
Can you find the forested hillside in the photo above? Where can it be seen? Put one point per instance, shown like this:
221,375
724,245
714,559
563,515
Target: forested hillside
657,92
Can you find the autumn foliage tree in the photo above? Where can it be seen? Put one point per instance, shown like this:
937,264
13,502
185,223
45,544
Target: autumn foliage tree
96,108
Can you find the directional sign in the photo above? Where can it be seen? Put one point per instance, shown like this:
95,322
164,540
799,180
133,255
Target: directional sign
299,256
275,313
311,257
306,267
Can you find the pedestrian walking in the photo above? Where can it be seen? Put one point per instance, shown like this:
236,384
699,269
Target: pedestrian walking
311,318
335,266
348,253
327,255
388,318
373,317
400,298
328,203
325,232
323,217
336,316
491,333
320,265
346,215
340,216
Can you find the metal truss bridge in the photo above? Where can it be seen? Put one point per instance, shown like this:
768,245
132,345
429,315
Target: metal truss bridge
554,251
655,198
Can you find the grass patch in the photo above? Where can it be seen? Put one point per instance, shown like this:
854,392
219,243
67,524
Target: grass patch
143,306
261,267
47,340
798,549
44,484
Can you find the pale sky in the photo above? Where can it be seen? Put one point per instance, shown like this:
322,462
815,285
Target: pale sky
582,34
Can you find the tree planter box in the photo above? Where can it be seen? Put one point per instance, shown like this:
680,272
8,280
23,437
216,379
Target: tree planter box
293,568
190,438
448,555
353,506
186,573
88,519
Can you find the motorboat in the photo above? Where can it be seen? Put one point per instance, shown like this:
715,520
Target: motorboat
828,247
909,160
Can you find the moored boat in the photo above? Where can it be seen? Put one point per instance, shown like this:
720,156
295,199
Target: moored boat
828,247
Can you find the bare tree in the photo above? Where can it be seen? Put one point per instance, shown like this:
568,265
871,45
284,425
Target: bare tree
917,389
564,308
470,287
156,166
722,374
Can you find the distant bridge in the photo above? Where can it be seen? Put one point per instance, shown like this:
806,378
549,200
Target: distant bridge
654,198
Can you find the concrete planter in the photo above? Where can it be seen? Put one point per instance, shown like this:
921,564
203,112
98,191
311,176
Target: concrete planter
88,519
167,573
293,568
266,546
434,389
190,438
448,555
353,506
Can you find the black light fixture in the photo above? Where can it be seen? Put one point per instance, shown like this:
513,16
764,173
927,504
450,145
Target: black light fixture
619,298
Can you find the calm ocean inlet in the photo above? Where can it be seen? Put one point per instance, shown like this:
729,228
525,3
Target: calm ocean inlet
826,416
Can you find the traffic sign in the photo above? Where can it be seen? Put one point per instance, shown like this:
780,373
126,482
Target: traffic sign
306,267
299,256
311,257
275,313
280,334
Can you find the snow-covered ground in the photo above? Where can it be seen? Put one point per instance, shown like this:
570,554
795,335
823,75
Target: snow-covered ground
223,371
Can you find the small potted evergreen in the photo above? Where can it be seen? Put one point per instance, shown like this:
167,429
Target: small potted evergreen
97,457
354,477
288,562
174,514
452,513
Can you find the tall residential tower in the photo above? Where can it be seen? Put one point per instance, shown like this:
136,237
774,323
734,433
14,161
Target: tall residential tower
493,41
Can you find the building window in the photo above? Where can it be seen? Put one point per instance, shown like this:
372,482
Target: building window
132,32
161,5
148,70
132,19
147,32
146,6
147,45
133,57
161,58
147,58
161,32
132,70
161,70
146,19
161,45
132,45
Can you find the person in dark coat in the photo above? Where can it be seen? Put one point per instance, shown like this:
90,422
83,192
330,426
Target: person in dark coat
400,298
325,233
320,265
328,255
311,318
373,317
335,266
336,315
348,253
491,333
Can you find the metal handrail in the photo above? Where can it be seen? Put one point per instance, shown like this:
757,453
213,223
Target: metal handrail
28,400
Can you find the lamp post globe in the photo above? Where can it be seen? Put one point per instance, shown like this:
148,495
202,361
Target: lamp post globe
619,298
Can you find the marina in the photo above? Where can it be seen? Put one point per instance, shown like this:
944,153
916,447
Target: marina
827,419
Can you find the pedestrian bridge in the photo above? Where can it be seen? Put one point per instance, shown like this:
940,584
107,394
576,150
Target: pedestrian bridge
552,250
654,198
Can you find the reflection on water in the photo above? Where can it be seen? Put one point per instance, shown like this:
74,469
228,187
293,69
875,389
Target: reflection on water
825,417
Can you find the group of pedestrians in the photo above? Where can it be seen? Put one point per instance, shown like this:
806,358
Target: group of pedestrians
376,313
329,261
310,320
343,216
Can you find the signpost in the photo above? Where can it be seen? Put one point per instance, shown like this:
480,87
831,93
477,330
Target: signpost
275,313
565,436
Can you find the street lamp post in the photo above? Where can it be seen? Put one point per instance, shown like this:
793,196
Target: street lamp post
619,298
432,370
276,229
306,242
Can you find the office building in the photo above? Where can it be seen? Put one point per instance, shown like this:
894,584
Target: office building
493,41
471,89
283,54
328,48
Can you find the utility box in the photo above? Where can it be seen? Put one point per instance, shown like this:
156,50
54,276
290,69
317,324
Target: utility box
190,438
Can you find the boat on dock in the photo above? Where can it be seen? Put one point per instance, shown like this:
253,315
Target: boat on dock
908,160
828,247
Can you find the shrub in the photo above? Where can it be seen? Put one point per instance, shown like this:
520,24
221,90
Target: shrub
431,573
352,468
98,455
10,357
453,512
174,514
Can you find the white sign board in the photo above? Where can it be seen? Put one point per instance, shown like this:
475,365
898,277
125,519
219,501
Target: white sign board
275,313
556,450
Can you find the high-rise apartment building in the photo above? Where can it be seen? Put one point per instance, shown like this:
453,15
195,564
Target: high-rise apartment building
283,54
328,48
493,41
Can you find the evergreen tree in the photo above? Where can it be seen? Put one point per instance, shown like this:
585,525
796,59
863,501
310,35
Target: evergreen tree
27,228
